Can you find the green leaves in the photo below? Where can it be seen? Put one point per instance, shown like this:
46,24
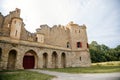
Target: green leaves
102,53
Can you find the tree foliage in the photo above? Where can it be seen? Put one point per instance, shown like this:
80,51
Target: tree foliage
102,53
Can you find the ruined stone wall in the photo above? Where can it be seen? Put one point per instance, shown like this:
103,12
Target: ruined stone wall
7,22
1,23
57,35
27,36
1,20
5,25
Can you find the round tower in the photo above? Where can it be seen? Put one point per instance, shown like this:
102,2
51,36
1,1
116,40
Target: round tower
15,27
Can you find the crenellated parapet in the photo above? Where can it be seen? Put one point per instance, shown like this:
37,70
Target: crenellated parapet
49,47
5,21
57,35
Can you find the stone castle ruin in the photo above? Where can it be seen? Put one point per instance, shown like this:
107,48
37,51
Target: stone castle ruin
49,47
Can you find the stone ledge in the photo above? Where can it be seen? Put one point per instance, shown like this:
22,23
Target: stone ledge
35,44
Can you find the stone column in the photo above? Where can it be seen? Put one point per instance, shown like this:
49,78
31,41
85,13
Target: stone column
4,58
40,59
49,59
59,59
19,60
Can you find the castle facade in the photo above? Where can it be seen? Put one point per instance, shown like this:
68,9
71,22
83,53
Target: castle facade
49,47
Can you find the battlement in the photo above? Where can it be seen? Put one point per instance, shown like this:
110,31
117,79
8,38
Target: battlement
58,35
15,13
51,29
49,47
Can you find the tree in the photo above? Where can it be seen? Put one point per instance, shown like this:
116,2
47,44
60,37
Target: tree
102,53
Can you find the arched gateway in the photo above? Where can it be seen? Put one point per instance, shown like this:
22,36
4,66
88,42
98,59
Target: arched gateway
29,60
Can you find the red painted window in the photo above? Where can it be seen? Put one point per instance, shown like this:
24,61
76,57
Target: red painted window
79,44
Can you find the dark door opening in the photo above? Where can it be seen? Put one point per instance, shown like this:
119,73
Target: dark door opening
28,62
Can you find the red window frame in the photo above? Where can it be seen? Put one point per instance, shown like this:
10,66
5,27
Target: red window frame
79,45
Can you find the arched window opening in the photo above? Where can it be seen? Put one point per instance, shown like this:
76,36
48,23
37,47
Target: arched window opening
68,45
45,60
12,59
63,60
54,59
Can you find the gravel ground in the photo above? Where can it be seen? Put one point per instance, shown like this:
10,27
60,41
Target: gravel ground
81,76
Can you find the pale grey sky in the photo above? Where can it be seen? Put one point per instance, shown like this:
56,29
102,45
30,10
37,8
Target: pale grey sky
102,17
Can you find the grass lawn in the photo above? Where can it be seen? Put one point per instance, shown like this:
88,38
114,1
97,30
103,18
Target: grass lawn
23,75
95,68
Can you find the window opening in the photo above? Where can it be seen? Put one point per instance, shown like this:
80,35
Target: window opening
79,44
16,33
87,45
68,44
80,58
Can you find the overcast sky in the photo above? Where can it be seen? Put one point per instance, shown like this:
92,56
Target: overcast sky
102,17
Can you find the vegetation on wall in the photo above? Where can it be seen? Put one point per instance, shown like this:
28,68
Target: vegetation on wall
102,53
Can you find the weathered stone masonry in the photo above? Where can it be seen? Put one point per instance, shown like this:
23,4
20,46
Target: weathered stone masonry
49,47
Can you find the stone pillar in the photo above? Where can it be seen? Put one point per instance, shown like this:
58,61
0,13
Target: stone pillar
69,58
4,58
40,59
19,60
59,59
50,59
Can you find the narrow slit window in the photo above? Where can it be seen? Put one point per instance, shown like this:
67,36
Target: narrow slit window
16,33
80,58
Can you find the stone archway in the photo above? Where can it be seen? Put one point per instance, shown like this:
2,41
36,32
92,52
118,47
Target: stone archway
12,59
45,60
29,60
54,59
63,60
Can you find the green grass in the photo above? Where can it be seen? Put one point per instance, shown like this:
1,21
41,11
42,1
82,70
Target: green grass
95,68
23,75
